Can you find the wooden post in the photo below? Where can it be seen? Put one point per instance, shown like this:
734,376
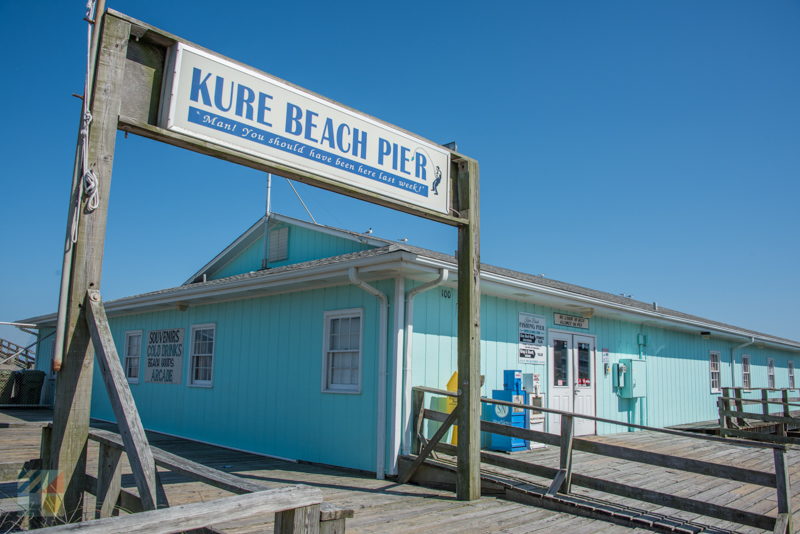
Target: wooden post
782,485
417,411
765,401
74,382
109,480
785,399
725,405
565,458
563,479
304,520
119,393
737,393
468,483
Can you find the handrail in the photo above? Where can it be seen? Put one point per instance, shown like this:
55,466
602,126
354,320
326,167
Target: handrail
739,443
562,477
107,488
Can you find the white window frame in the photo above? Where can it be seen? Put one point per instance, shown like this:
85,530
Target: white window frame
129,334
746,376
771,373
340,314
714,359
790,373
278,237
201,383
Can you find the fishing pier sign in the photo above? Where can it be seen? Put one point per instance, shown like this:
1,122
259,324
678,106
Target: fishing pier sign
222,102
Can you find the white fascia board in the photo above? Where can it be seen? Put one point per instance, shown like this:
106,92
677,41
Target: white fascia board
237,288
613,306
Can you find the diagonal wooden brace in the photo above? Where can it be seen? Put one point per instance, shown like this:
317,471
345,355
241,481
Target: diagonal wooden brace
429,446
130,425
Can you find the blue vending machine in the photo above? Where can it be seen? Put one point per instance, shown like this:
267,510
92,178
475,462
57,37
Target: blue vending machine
511,392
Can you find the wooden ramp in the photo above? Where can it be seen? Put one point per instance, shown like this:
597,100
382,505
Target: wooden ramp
380,506
527,487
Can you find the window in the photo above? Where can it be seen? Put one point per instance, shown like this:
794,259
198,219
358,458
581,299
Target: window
342,352
746,371
790,370
770,373
133,354
713,368
202,354
279,244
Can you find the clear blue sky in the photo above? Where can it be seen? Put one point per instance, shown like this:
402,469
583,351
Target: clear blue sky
647,148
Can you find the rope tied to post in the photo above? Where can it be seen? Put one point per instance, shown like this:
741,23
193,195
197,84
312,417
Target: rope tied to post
87,186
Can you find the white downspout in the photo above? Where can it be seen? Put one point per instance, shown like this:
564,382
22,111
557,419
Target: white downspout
409,317
380,441
398,331
733,359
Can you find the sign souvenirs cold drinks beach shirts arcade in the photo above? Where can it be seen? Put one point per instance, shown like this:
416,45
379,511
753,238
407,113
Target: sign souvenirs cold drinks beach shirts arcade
164,356
228,104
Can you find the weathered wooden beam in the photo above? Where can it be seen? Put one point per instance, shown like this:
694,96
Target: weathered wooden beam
199,514
119,393
418,411
784,488
127,502
109,480
74,382
303,520
565,452
440,432
625,453
468,483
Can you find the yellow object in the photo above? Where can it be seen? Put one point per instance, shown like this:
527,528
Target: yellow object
452,402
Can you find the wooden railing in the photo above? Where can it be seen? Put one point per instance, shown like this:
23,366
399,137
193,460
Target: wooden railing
563,477
22,357
297,508
762,423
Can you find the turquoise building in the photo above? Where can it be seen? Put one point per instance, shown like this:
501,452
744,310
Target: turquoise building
313,357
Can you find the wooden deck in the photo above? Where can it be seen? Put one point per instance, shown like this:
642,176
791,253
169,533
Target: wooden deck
386,507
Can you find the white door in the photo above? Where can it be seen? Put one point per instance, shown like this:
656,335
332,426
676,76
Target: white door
571,387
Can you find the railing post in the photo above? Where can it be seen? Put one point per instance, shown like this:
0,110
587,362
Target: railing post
563,479
726,405
109,480
565,459
737,393
417,410
723,421
303,520
782,485
785,399
765,401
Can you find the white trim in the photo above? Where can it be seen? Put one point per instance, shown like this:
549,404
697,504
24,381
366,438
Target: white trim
771,373
711,371
201,383
338,314
128,334
790,374
748,374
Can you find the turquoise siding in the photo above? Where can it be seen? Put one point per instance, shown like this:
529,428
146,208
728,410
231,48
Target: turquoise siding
304,245
678,377
266,395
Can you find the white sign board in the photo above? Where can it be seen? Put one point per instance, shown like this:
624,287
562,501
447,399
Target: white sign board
532,332
570,320
216,100
164,356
